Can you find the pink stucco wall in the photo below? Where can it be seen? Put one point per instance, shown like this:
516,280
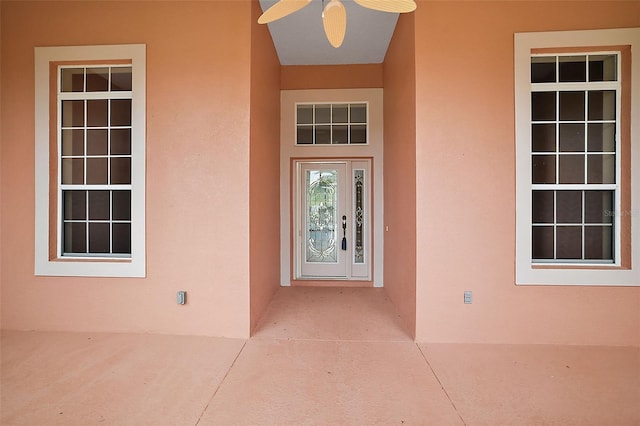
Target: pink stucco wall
400,171
465,182
198,88
264,193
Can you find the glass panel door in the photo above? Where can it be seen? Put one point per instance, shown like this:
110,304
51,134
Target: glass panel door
323,202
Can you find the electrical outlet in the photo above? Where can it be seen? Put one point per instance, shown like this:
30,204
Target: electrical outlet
468,297
181,297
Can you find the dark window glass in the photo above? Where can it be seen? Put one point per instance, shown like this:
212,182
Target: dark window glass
99,237
121,205
603,68
543,69
72,113
601,137
97,142
97,79
571,169
121,170
598,242
572,68
542,206
598,206
323,114
571,106
72,79
543,169
99,205
358,134
75,207
120,141
97,171
601,168
121,238
323,134
121,78
569,208
542,242
572,137
72,171
543,137
543,106
602,105
305,135
97,112
75,237
341,134
121,112
569,242
73,142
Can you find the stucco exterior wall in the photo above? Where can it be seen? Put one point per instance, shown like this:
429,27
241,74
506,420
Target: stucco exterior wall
197,196
465,182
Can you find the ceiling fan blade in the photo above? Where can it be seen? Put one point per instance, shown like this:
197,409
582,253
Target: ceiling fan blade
395,6
281,9
334,20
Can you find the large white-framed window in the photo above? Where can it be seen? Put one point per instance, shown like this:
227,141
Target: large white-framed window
577,157
90,160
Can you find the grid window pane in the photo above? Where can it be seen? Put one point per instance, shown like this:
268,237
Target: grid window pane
72,142
572,68
121,209
572,137
543,106
571,169
598,242
341,134
598,206
358,134
74,205
603,68
72,171
601,168
305,134
121,78
99,237
304,114
323,134
543,69
72,113
97,112
340,113
97,141
571,106
121,170
569,242
543,168
97,79
97,171
543,137
75,237
323,114
359,113
542,242
602,105
121,242
569,206
543,206
72,80
120,142
601,137
121,112
99,205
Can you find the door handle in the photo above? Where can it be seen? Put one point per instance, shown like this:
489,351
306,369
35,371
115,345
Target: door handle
344,232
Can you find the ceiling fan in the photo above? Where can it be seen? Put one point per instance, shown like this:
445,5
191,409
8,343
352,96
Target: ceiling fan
334,15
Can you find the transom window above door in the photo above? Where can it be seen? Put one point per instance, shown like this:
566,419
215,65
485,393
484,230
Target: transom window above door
331,123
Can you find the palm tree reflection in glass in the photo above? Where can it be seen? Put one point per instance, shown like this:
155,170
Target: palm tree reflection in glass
321,215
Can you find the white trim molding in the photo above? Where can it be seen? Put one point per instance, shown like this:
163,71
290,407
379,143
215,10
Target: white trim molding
47,264
527,271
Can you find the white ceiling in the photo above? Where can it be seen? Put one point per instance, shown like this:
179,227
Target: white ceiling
300,40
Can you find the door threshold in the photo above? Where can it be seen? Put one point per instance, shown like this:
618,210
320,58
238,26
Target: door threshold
330,283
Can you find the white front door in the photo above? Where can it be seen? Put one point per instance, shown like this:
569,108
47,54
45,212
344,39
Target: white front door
332,238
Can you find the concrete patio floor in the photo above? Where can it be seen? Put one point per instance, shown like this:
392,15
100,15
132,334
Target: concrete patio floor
319,356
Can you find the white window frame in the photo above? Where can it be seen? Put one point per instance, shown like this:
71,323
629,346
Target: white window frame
528,272
135,266
349,123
